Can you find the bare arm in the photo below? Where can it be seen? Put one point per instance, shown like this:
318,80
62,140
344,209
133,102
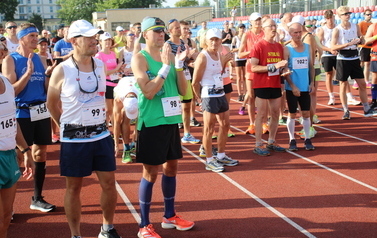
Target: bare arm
241,51
28,159
369,37
334,41
200,67
53,94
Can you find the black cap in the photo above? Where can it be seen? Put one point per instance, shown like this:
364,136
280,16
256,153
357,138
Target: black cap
241,25
61,26
42,40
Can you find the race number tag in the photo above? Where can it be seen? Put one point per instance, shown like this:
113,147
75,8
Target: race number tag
114,77
218,81
8,126
171,106
187,74
300,63
93,115
39,112
273,73
226,73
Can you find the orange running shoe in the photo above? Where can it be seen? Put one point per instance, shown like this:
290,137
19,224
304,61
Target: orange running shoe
250,130
265,128
148,232
177,222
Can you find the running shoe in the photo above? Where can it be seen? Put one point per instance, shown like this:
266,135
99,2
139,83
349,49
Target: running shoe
370,113
352,101
239,98
275,147
261,150
312,133
194,122
148,232
228,161
331,101
283,121
347,116
265,128
301,120
231,134
308,145
292,145
126,157
316,119
55,138
176,222
214,166
250,130
41,205
335,82
242,111
355,85
373,105
369,85
202,152
133,121
112,233
190,139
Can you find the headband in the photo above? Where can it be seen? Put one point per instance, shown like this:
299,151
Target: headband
26,31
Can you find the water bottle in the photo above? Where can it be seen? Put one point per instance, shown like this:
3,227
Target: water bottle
151,77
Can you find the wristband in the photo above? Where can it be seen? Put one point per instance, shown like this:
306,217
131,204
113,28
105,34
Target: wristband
25,150
271,68
180,69
375,37
178,63
163,72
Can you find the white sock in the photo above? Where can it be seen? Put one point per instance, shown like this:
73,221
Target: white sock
331,95
209,159
291,128
220,155
349,96
306,125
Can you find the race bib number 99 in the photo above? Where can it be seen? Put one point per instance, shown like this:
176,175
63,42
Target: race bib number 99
93,115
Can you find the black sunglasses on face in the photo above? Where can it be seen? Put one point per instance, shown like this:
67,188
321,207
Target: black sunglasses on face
367,14
10,27
158,30
346,14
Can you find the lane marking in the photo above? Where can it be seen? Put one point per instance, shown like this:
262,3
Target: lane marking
128,203
256,198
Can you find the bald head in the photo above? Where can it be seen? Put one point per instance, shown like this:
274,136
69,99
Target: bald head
295,27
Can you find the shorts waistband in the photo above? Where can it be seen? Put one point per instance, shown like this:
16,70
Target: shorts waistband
26,106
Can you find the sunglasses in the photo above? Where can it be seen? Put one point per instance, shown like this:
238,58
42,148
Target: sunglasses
367,14
172,20
308,26
158,30
131,34
346,14
10,27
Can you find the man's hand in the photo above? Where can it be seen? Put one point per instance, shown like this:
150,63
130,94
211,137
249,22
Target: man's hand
281,64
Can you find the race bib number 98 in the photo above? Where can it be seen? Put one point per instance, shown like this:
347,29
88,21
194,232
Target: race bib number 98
171,106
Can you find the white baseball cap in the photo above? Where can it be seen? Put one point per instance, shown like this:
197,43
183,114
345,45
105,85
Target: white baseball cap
297,19
119,28
131,107
82,28
213,32
254,16
105,36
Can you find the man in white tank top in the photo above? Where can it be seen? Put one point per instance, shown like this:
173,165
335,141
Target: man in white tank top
345,38
12,40
78,86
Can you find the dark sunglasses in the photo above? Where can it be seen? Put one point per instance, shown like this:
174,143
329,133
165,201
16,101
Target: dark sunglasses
139,27
346,14
158,30
367,14
132,34
172,20
10,27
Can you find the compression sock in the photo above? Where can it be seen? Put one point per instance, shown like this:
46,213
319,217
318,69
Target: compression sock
39,178
168,190
374,92
306,126
145,197
291,128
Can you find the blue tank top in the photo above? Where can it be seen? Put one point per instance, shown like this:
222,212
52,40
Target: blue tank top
298,62
34,91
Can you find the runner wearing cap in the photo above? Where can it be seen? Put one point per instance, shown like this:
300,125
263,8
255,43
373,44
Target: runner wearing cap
76,99
112,66
29,77
159,141
209,67
125,110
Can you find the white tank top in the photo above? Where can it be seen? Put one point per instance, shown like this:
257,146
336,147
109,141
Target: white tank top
346,36
327,35
287,36
11,46
127,56
212,83
8,123
83,106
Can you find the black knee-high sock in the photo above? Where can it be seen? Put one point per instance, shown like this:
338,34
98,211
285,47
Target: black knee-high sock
39,178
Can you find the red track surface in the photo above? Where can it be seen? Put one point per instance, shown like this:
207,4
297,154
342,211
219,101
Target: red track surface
329,192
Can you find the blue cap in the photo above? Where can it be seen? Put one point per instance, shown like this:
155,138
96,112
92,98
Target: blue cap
152,23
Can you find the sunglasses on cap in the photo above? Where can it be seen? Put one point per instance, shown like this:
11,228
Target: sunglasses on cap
346,14
171,21
10,27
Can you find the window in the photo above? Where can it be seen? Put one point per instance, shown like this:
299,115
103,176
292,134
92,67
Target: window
28,1
38,9
50,1
51,9
28,9
21,10
38,1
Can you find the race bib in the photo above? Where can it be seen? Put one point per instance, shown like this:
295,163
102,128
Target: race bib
171,106
187,74
39,112
300,62
114,77
218,81
93,115
226,73
273,73
8,126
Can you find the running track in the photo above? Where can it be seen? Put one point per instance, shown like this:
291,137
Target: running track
329,192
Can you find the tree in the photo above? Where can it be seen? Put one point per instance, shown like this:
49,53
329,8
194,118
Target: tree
8,8
186,3
37,20
102,5
205,3
72,10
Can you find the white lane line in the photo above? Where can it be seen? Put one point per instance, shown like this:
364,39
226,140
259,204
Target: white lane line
260,201
128,203
346,135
